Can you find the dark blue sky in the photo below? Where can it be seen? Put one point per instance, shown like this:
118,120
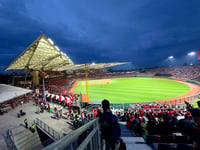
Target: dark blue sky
142,32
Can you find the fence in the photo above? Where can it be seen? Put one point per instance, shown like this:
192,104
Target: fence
9,140
55,135
86,137
179,101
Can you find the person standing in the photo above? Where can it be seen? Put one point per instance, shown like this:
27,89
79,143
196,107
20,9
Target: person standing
110,129
26,123
32,127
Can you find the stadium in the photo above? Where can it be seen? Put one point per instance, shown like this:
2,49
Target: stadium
61,91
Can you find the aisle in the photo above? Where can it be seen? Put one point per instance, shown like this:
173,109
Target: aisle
132,141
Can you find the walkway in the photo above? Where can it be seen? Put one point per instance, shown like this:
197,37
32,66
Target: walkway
10,120
131,141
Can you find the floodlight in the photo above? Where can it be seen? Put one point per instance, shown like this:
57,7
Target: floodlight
191,53
50,40
61,53
171,57
93,63
57,48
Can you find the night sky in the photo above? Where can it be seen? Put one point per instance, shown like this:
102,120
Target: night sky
142,32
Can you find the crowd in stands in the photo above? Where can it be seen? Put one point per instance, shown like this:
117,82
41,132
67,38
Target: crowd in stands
143,119
92,73
11,104
50,74
156,123
68,102
100,74
183,72
163,123
56,85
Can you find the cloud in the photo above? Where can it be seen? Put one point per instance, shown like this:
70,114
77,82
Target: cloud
142,32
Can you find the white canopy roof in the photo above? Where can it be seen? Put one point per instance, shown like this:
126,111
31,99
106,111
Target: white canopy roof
42,54
89,66
8,92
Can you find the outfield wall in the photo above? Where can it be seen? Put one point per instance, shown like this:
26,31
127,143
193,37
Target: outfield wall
180,102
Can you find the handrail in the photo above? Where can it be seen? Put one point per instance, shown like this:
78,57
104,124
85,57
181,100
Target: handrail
10,140
178,101
47,129
80,138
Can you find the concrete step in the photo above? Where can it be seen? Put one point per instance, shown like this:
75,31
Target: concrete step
29,138
37,147
136,143
31,145
124,131
132,141
21,136
31,142
25,139
24,136
127,134
17,130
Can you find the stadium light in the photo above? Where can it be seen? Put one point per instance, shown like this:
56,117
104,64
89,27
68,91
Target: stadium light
93,63
57,48
50,40
170,57
191,53
61,53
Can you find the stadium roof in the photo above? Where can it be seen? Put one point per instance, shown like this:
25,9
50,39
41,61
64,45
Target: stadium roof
89,66
42,54
10,92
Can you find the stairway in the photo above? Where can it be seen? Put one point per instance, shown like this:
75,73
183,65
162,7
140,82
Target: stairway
132,141
24,139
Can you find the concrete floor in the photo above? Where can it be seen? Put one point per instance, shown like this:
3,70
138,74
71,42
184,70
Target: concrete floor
10,120
62,126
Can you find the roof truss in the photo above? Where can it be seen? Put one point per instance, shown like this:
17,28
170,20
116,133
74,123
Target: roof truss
40,55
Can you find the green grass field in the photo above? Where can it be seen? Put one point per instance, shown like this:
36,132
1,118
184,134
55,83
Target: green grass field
122,90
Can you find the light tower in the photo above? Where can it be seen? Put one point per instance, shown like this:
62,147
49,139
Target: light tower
171,58
191,57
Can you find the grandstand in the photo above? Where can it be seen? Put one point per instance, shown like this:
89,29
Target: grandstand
149,125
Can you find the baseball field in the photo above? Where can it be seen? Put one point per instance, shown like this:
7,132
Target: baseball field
127,90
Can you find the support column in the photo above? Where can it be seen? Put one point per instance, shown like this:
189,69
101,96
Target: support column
35,75
44,93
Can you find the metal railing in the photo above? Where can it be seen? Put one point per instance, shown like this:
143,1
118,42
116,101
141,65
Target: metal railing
50,131
9,140
179,101
86,137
